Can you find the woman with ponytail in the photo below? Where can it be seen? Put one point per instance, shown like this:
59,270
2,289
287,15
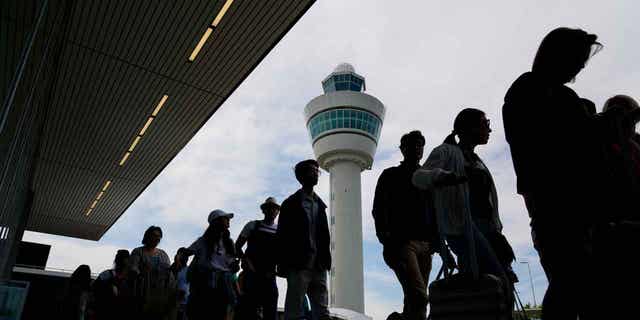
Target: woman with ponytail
465,199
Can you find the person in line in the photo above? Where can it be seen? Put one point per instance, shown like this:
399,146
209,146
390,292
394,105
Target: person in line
210,274
155,283
465,197
259,264
403,227
303,242
618,230
179,270
623,157
113,291
557,159
75,302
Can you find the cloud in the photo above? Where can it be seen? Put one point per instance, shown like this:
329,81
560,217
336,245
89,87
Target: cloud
425,60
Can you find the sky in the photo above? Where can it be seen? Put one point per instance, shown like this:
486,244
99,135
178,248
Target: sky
425,60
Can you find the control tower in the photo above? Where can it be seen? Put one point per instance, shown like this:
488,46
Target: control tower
344,124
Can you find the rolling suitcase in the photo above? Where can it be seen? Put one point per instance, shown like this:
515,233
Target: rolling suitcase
462,296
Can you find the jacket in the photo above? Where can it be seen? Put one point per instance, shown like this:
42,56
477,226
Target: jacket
451,203
294,251
400,209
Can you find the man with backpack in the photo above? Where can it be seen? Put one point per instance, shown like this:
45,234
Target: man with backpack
259,264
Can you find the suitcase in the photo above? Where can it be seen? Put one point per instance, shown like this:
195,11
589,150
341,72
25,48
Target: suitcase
472,296
461,297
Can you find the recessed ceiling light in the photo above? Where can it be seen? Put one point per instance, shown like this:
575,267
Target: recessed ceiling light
159,106
88,212
200,44
100,195
224,9
146,126
124,158
134,143
94,204
106,185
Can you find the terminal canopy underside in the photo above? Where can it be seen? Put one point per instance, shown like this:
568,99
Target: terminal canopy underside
124,98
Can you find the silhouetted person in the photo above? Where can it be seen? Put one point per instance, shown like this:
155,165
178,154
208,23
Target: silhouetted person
179,270
618,233
75,302
558,163
155,284
113,291
623,157
259,264
303,243
212,287
465,198
403,227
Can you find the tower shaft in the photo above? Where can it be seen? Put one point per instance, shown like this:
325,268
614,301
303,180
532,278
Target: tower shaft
347,279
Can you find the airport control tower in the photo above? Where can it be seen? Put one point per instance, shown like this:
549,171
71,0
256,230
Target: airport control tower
344,124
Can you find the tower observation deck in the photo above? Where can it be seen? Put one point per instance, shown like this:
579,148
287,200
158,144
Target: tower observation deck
344,124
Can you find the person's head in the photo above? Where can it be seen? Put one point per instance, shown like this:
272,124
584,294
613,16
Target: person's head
563,53
270,208
472,128
181,257
81,276
307,172
152,237
412,146
219,220
121,262
627,111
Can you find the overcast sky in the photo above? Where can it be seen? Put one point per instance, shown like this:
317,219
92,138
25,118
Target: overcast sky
425,60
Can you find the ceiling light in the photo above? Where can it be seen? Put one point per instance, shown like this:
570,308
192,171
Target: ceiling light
146,126
204,38
224,9
160,104
124,158
100,195
134,143
93,205
106,185
88,212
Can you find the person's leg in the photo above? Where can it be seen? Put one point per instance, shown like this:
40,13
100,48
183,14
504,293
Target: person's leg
564,264
409,268
319,296
249,301
425,265
297,285
269,298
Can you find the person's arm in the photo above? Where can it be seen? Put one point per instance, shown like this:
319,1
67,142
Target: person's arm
242,240
435,172
380,210
282,237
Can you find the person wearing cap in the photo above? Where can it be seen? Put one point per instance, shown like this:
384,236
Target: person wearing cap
303,256
210,274
404,228
557,158
259,264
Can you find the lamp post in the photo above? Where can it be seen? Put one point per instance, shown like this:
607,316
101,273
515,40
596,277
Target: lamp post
533,292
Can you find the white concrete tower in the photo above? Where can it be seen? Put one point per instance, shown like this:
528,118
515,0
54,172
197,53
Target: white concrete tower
344,124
